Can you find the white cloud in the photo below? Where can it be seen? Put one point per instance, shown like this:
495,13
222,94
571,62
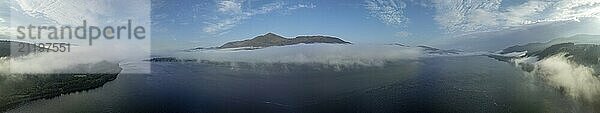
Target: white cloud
577,81
232,19
230,6
73,13
3,28
390,12
463,17
525,13
266,8
541,32
232,13
298,6
6,32
223,25
94,12
403,34
483,18
458,16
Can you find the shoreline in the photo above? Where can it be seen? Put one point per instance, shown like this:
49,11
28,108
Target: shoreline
35,87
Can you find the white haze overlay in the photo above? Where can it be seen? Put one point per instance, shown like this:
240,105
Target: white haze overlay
577,81
127,52
50,62
330,54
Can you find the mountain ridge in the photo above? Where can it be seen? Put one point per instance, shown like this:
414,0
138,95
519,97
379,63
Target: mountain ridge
581,49
272,39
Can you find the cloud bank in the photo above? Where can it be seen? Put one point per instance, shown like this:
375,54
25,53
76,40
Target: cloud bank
575,80
50,63
330,54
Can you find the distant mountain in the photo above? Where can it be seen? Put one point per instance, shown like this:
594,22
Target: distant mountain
432,50
568,64
169,59
585,54
271,39
537,47
398,44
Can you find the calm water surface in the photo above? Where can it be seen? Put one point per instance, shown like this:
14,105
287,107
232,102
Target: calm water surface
443,84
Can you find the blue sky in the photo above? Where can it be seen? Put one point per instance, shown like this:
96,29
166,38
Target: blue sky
349,20
183,24
214,22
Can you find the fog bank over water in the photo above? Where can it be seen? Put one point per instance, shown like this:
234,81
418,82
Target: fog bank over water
559,71
333,54
575,79
52,62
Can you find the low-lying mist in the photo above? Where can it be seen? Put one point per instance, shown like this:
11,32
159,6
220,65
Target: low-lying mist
329,54
575,80
78,60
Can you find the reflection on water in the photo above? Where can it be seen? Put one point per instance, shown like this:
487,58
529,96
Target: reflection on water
448,84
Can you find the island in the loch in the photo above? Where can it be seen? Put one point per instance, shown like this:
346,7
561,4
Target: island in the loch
272,39
16,89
